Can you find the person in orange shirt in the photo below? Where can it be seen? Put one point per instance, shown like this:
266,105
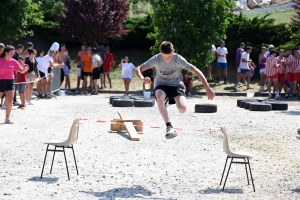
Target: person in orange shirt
87,69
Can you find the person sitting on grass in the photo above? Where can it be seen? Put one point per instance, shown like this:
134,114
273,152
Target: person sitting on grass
21,78
245,68
169,87
188,82
127,68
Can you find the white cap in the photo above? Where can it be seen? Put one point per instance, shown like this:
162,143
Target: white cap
54,47
271,46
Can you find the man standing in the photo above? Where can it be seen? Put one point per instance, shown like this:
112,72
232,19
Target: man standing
169,88
280,70
289,71
62,58
108,64
245,68
272,73
80,54
222,61
238,55
209,68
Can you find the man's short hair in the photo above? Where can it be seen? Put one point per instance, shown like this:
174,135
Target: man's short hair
63,45
281,50
166,47
248,48
21,58
19,46
263,47
272,52
30,44
242,44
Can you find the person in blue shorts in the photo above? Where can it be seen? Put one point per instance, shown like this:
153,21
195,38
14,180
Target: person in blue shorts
222,61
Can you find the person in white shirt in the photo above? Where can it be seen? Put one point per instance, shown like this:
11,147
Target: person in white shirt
245,68
209,68
127,68
222,61
97,65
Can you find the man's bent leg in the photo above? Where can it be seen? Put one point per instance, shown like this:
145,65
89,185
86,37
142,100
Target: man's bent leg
181,103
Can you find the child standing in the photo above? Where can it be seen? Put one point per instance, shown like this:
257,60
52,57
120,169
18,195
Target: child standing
22,78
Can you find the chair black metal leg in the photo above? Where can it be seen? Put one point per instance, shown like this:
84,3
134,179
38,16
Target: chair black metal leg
224,170
227,173
66,163
52,160
44,161
251,175
75,160
246,170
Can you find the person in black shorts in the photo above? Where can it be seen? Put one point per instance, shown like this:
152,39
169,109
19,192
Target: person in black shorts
97,65
169,87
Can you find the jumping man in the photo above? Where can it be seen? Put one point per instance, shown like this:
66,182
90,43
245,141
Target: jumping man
169,88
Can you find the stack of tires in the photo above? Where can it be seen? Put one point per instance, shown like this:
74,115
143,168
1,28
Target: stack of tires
130,101
261,104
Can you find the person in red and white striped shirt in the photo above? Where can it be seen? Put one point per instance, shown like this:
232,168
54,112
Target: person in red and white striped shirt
280,70
272,73
296,68
289,70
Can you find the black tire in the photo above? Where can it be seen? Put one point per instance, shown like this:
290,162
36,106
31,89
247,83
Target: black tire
242,103
143,103
205,108
261,100
239,101
122,102
298,131
278,105
257,106
114,97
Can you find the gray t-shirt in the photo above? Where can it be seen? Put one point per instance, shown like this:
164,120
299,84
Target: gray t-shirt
168,73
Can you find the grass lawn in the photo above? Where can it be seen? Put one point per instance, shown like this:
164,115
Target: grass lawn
279,16
138,56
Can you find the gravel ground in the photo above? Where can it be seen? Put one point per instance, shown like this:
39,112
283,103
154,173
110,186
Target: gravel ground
112,167
280,7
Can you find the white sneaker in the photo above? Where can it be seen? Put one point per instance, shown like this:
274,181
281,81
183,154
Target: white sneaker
76,92
235,87
8,121
245,83
189,94
29,103
171,133
240,83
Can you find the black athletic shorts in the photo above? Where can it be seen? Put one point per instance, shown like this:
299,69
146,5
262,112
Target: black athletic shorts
96,73
6,85
148,73
42,74
171,92
87,73
102,69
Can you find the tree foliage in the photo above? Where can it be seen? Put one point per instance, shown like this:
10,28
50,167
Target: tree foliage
296,19
191,25
92,21
17,16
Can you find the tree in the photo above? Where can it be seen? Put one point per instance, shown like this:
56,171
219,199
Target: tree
93,21
17,16
191,25
296,19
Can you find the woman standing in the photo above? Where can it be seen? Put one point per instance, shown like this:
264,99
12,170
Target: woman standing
127,68
8,66
32,63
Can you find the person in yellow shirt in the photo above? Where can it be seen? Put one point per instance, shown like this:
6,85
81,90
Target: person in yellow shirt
87,69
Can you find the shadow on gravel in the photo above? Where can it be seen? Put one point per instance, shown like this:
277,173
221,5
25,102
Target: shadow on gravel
289,112
46,180
123,134
136,191
219,190
296,190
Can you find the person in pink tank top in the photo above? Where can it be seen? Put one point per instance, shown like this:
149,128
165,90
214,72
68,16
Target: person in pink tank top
8,66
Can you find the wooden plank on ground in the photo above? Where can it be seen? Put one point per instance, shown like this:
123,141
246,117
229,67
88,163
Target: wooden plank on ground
123,114
131,131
